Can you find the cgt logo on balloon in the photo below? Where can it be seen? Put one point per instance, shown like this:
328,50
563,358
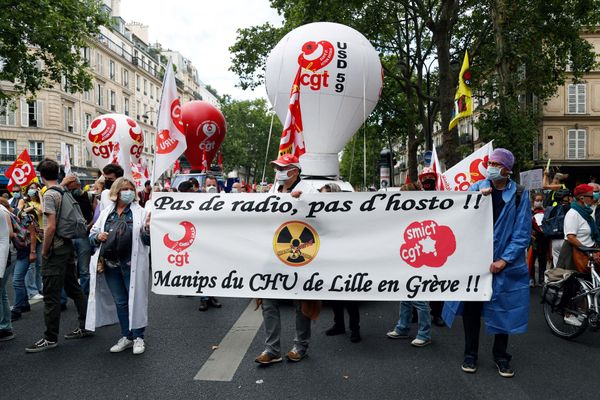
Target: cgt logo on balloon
317,55
427,244
136,134
100,134
180,257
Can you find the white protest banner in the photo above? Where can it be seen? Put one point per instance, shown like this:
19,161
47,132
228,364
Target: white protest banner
470,170
532,179
353,246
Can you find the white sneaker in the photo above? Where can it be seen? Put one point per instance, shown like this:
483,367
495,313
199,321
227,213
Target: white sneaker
572,320
37,297
395,335
121,345
420,342
138,346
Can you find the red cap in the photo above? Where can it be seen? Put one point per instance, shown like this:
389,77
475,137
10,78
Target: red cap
286,160
427,171
583,189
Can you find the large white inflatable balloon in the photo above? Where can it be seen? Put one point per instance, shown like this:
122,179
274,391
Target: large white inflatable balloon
115,138
340,84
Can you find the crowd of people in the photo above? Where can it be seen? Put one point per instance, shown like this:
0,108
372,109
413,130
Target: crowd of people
59,241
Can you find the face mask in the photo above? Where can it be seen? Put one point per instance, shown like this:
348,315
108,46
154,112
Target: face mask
211,189
538,204
281,176
127,196
428,184
17,195
31,192
494,173
596,196
76,192
234,190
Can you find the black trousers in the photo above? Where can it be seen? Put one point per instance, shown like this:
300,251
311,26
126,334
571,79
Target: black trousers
353,314
58,271
472,324
540,253
436,308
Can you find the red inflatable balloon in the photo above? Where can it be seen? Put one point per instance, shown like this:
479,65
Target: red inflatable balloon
205,128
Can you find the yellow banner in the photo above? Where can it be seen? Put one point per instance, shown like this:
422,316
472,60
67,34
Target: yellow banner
463,102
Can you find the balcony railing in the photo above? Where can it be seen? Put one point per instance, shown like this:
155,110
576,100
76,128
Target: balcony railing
36,157
8,157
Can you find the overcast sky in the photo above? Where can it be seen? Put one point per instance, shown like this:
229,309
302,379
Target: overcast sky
202,31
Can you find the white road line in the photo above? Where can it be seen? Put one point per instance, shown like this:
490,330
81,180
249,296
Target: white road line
224,361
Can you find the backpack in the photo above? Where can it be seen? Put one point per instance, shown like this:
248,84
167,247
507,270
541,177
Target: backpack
70,223
22,239
119,241
553,222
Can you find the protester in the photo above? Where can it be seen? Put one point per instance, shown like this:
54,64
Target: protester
210,186
145,194
554,217
58,266
96,193
558,183
287,174
6,233
339,326
507,311
402,328
16,197
596,202
195,184
110,172
541,244
121,263
237,188
31,215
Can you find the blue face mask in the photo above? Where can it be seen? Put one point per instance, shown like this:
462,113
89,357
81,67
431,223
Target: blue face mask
17,195
596,196
127,196
494,173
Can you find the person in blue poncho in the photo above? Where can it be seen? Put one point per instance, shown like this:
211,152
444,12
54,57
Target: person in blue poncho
507,311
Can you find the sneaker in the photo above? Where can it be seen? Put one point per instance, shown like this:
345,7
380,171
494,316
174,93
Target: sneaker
121,345
79,333
572,320
37,297
355,336
295,355
504,369
138,345
267,358
469,366
203,305
213,302
395,335
5,335
420,342
41,345
335,330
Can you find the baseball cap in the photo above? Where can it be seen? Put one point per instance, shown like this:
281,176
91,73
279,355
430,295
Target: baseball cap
287,160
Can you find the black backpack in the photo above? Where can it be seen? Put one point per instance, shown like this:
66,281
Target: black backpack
553,221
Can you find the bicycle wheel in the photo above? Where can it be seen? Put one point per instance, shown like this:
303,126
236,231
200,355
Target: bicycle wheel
571,310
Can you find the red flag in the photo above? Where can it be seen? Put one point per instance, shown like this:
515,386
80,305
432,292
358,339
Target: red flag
292,141
21,172
407,179
176,167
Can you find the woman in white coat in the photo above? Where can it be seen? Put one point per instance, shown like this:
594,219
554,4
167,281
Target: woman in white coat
6,233
119,269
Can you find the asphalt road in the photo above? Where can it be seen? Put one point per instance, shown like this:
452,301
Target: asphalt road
180,340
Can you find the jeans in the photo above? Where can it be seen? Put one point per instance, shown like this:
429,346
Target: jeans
118,280
21,268
33,278
472,323
83,250
58,272
272,318
403,325
5,323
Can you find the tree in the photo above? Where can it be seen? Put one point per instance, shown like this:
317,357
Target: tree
40,42
248,126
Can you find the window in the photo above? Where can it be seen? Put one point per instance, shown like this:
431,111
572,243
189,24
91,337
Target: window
68,119
111,70
138,109
576,144
577,98
150,114
71,152
126,106
7,113
151,91
113,101
87,95
138,83
87,121
36,150
86,53
32,113
99,91
145,86
8,150
99,63
125,77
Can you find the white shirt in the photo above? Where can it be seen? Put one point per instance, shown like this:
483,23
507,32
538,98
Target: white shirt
105,202
576,225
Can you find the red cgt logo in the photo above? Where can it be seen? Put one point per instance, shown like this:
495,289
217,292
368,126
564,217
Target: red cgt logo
427,244
101,130
181,257
315,55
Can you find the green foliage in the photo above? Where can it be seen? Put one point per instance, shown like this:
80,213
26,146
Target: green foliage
51,31
351,165
245,145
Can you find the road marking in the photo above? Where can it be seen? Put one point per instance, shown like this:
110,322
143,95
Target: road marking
224,361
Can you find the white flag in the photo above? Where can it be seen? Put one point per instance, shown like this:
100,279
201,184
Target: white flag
437,168
65,158
470,170
170,138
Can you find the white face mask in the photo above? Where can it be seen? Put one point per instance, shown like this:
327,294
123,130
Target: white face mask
211,189
281,176
234,190
538,204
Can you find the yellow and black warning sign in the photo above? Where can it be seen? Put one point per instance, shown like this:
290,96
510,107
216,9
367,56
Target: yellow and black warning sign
296,243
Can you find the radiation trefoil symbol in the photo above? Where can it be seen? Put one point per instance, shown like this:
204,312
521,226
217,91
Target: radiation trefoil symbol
296,243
